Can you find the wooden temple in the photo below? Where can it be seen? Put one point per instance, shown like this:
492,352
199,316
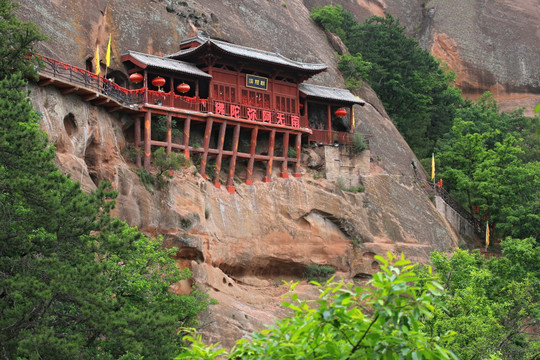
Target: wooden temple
226,107
235,103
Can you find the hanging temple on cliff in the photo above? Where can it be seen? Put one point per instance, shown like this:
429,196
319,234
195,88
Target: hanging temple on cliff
225,101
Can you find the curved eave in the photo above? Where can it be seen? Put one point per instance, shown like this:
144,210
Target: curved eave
250,54
145,61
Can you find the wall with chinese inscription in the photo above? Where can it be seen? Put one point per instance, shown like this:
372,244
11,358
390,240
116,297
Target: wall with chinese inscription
340,163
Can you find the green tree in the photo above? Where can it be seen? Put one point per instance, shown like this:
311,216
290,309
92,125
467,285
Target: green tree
493,305
17,41
415,89
383,320
483,165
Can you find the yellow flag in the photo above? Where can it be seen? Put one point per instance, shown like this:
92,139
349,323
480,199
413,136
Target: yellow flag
353,124
108,55
487,234
432,166
96,60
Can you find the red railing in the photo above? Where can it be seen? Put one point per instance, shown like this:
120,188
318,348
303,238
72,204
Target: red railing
80,77
177,101
329,137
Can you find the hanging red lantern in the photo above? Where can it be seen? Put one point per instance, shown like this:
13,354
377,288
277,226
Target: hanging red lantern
183,88
158,81
136,78
341,112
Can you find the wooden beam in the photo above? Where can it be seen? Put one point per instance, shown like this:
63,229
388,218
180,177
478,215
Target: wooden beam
268,175
251,162
147,139
206,144
114,108
232,162
187,130
298,148
90,97
168,138
102,101
138,139
219,158
69,90
45,82
284,173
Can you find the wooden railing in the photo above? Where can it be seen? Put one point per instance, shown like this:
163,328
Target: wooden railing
84,78
329,137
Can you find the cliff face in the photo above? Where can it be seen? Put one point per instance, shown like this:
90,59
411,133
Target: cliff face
240,246
491,45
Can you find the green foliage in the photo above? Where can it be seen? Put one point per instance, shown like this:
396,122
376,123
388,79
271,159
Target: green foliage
483,165
415,90
354,69
319,273
492,303
354,189
159,128
292,152
358,143
166,163
17,40
383,320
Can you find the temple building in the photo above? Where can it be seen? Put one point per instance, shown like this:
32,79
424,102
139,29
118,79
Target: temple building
229,108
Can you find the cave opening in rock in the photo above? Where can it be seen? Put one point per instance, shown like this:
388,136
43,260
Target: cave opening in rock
92,162
70,124
265,268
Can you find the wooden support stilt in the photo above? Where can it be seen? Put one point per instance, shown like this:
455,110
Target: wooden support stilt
168,140
219,157
147,139
251,162
138,140
329,139
187,129
284,173
206,145
232,162
269,164
298,148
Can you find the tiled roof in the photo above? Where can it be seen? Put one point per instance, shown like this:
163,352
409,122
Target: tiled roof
328,93
251,53
165,63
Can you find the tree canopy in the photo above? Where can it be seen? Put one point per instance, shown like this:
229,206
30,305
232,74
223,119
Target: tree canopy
414,88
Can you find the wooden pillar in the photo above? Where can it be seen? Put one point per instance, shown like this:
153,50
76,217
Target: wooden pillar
171,93
187,130
169,133
232,162
298,148
219,157
145,83
206,145
284,173
197,88
329,138
138,140
268,175
251,162
147,139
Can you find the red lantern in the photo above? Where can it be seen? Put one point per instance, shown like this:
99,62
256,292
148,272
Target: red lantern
158,81
341,112
183,88
136,78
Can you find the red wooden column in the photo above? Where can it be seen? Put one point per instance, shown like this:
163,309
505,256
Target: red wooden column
268,175
284,173
219,157
187,129
169,133
206,145
329,138
232,162
298,147
138,140
251,162
147,139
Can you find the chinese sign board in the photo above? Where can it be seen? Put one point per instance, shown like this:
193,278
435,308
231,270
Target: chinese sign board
253,114
256,82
